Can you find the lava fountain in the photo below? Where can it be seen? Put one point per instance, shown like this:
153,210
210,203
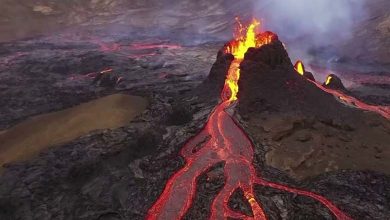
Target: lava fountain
223,140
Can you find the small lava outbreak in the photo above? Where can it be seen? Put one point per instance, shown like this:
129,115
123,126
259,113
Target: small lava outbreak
223,140
299,67
334,86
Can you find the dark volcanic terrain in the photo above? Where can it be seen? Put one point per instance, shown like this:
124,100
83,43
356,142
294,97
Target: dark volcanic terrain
304,139
92,118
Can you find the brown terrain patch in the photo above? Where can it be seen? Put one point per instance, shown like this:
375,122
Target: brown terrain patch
306,147
38,133
307,131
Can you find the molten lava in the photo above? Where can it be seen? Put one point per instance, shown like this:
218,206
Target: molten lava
328,79
349,100
238,47
136,50
90,75
352,101
299,67
223,140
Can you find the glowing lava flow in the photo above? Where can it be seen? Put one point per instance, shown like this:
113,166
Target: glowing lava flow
344,98
352,101
222,140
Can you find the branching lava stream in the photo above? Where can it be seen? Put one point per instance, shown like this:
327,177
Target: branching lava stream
223,140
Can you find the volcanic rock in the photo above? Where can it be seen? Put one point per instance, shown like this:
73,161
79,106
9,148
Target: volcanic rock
300,68
213,84
334,82
272,93
309,75
268,78
106,80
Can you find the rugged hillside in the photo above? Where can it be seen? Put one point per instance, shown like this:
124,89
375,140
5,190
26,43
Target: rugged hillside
371,42
27,18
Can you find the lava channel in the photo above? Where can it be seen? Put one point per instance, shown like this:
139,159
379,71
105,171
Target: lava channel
223,140
351,101
344,98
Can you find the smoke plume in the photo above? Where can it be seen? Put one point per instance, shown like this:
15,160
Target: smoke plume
306,25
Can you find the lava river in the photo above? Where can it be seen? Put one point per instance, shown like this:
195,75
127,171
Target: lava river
223,140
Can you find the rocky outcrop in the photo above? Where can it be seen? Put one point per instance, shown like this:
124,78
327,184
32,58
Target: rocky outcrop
308,130
334,82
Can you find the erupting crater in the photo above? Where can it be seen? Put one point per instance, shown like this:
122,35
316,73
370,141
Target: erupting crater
223,140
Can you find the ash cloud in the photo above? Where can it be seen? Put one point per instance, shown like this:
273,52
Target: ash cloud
307,25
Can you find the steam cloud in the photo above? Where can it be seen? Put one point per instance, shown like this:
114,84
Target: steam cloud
304,24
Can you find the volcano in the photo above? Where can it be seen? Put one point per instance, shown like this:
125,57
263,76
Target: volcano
112,125
260,79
